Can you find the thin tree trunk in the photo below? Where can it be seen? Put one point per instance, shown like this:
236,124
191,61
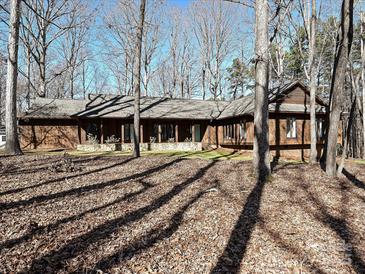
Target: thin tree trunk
42,75
83,80
347,137
313,84
72,73
203,82
261,153
28,77
344,41
137,90
12,142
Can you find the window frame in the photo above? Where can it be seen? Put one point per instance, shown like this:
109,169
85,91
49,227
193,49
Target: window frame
243,131
229,132
291,128
128,133
320,128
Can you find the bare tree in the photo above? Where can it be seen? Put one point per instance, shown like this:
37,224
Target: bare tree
213,29
180,59
362,53
12,142
344,42
261,153
313,82
119,42
48,26
137,73
75,42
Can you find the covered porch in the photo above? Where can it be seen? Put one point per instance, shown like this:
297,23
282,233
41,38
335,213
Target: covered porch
154,134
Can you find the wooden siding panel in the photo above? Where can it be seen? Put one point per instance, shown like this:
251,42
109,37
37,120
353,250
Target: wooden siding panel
49,137
296,96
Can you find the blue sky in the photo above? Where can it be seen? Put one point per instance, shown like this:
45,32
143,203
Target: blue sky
179,2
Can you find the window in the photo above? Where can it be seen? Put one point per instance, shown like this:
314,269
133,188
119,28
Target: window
320,128
3,138
291,128
167,132
92,129
228,132
243,131
154,136
128,132
197,137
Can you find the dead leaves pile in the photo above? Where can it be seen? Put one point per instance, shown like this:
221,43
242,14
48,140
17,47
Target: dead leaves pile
61,214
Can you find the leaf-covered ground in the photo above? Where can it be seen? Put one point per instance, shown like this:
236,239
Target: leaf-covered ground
163,214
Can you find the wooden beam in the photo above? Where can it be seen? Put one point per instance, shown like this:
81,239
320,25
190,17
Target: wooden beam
141,133
159,137
176,133
101,131
122,134
193,133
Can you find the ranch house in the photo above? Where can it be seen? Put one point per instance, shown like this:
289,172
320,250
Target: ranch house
171,124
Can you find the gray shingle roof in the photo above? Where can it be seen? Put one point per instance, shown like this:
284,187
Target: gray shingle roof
108,106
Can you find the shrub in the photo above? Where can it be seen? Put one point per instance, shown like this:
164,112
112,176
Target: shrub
92,140
112,140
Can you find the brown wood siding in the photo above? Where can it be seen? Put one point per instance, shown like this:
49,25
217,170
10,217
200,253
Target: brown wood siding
49,137
277,132
296,96
67,133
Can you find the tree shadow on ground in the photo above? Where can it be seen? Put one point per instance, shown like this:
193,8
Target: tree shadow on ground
290,247
152,237
352,178
84,189
37,230
57,259
339,225
59,179
43,164
230,260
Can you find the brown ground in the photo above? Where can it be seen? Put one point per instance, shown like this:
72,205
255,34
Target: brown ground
172,215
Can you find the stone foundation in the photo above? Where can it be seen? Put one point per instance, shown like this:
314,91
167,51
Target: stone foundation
183,146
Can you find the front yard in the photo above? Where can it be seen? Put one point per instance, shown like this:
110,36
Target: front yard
173,214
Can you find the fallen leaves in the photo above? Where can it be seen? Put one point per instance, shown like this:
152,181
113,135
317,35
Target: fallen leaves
62,214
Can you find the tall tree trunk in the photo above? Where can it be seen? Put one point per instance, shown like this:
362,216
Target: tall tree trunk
83,80
12,142
28,77
72,81
261,153
42,74
137,90
347,136
344,41
313,84
362,50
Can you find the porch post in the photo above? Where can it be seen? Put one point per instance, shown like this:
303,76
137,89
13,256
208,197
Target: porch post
101,131
122,134
193,133
141,133
159,133
176,133
237,135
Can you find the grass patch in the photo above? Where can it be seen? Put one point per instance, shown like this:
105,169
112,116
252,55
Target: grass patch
359,161
206,154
